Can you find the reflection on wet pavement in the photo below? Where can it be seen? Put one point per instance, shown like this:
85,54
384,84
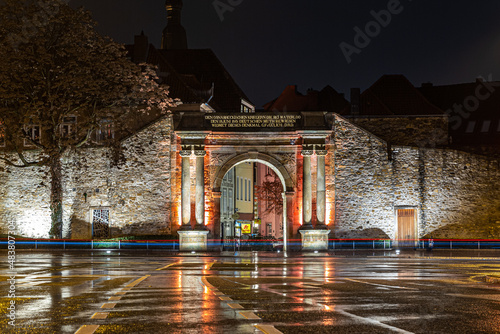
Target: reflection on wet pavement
251,293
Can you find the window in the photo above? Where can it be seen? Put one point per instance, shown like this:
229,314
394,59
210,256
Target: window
105,131
246,188
100,223
2,136
68,127
470,127
241,188
237,187
32,132
486,126
224,201
230,199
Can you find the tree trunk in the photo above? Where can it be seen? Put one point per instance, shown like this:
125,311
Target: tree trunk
56,196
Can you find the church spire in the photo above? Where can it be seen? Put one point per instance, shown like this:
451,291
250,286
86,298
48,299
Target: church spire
174,34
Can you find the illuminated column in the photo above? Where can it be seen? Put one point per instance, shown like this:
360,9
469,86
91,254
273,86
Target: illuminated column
321,188
186,190
200,188
307,189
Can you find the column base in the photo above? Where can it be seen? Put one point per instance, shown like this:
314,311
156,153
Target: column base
192,240
314,240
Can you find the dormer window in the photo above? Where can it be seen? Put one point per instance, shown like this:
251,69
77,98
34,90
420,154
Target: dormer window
246,107
470,127
486,126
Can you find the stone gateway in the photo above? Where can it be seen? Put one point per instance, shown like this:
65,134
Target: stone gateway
337,178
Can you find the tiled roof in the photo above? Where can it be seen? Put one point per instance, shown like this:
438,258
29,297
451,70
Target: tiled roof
198,70
328,99
473,108
194,76
394,95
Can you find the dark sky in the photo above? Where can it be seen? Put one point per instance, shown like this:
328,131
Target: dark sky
266,45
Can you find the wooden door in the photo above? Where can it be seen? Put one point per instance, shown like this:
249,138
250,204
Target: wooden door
406,228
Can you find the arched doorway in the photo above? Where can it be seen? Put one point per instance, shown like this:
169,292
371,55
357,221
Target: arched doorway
227,226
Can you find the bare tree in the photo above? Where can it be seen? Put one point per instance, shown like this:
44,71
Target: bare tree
61,82
270,191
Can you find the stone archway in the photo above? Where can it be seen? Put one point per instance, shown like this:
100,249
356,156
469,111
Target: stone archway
280,170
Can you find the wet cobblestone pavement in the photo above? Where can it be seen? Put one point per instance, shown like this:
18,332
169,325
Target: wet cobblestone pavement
140,292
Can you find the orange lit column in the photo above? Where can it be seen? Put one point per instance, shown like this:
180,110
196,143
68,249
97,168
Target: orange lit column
320,188
200,189
307,189
186,190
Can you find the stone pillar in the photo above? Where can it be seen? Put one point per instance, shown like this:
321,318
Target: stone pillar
321,189
200,189
186,190
307,190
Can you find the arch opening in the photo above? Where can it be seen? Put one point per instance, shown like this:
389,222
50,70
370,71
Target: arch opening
240,178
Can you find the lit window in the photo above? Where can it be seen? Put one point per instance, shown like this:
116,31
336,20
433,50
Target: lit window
68,127
486,126
470,127
105,131
2,136
32,132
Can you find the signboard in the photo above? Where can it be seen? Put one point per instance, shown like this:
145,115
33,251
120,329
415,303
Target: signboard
253,121
246,228
237,229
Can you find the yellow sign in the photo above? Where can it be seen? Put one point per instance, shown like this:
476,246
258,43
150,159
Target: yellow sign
246,228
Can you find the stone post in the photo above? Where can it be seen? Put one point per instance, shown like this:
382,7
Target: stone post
321,189
200,189
186,190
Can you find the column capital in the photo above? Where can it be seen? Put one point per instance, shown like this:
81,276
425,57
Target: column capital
321,152
307,153
200,153
185,153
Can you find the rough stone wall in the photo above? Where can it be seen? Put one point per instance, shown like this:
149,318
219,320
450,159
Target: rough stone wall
407,131
136,191
461,189
363,188
456,194
25,198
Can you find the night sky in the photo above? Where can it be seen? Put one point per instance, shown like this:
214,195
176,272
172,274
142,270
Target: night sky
266,45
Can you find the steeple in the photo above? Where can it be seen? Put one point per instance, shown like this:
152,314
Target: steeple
174,34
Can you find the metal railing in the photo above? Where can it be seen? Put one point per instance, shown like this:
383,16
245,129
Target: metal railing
259,245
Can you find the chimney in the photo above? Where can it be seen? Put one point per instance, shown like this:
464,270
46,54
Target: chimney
355,93
141,45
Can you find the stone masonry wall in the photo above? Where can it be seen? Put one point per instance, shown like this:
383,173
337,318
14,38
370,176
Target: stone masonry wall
136,191
24,198
408,131
456,194
363,189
